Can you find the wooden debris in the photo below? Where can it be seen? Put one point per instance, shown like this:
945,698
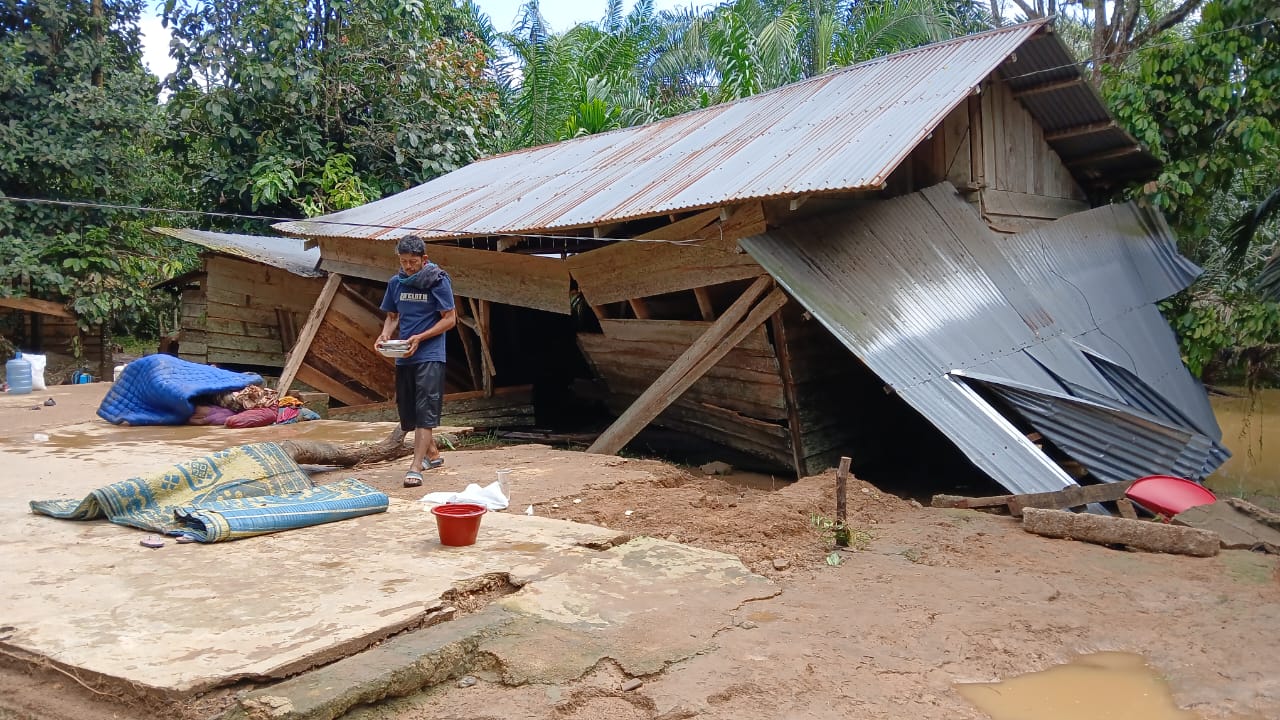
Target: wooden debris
309,452
1125,506
1104,530
1075,496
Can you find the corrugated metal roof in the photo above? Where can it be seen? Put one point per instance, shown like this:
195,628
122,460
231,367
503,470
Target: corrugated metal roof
282,252
843,131
925,294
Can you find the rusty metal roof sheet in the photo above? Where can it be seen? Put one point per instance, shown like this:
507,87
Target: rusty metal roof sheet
1059,321
282,252
843,131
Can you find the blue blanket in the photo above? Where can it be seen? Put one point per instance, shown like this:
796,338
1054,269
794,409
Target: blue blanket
157,390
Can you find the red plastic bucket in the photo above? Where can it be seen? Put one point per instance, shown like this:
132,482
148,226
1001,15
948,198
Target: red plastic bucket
458,524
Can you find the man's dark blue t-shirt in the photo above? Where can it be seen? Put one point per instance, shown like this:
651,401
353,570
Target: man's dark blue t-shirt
419,300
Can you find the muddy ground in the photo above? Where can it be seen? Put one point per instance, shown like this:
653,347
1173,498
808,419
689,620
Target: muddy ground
931,598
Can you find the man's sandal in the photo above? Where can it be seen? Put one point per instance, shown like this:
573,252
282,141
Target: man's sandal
413,478
433,464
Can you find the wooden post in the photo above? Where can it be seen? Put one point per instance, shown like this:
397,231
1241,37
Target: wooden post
704,303
789,393
309,330
842,478
639,308
723,335
480,313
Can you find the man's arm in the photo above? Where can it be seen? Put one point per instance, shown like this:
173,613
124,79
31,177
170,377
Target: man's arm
388,327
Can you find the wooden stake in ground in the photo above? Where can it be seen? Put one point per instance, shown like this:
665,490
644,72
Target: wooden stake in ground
1104,530
842,477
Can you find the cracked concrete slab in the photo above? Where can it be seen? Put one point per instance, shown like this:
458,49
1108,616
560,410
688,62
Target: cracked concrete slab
644,604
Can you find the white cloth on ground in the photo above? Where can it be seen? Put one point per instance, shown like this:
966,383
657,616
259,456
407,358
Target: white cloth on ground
490,496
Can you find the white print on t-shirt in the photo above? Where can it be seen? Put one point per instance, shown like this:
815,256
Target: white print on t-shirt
415,297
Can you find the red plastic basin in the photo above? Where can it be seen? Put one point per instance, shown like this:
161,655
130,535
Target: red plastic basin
459,524
1168,495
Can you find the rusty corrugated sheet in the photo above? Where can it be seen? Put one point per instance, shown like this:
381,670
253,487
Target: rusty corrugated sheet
843,131
1058,321
282,252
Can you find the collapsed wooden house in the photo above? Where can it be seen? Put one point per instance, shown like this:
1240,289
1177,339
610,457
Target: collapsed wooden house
255,298
241,308
657,252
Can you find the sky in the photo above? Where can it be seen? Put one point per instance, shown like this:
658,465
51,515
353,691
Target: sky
560,14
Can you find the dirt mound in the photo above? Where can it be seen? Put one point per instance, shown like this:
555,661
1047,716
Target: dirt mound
758,525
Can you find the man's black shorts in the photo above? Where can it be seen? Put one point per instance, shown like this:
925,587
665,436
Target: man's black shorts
419,394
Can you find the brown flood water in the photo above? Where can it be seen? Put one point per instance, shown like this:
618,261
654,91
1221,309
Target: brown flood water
1101,686
1251,430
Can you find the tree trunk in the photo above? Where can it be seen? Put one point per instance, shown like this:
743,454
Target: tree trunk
309,452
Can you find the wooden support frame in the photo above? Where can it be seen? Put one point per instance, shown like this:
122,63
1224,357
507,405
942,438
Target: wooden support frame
789,391
1078,130
639,307
1049,87
723,335
43,307
480,312
309,330
1103,156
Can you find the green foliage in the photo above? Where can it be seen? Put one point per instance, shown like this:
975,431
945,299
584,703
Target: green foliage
312,107
80,122
1206,105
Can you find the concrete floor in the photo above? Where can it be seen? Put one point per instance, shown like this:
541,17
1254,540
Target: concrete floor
186,618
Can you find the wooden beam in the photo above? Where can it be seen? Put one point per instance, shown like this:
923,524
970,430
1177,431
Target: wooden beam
605,231
639,308
1078,130
1138,534
487,368
704,303
309,329
326,384
1103,156
1049,87
468,334
789,391
506,243
44,307
682,229
719,339
288,329
797,201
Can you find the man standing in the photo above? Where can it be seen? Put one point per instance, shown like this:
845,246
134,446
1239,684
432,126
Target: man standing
420,300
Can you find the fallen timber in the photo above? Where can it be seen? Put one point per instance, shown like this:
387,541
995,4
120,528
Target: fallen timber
1077,496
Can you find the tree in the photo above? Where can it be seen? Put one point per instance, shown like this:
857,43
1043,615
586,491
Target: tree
1206,105
1117,28
288,106
79,122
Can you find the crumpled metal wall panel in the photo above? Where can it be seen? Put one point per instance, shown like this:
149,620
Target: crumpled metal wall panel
923,292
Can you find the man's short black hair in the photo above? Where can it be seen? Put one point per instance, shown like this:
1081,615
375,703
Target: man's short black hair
411,245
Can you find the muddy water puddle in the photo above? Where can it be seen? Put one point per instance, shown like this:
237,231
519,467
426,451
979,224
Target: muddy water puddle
1100,686
1251,430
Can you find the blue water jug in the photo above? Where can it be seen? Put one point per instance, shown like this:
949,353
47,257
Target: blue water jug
18,373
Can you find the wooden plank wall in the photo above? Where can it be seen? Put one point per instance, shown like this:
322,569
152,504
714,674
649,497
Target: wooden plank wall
521,280
192,345
56,335
1015,156
242,298
738,403
827,389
